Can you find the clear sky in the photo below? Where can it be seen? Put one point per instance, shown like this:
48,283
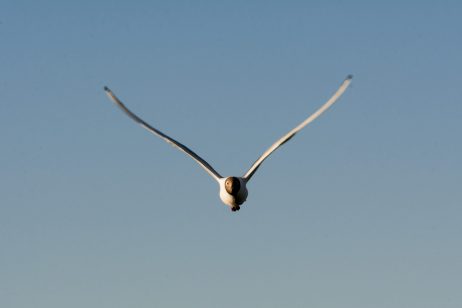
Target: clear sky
361,209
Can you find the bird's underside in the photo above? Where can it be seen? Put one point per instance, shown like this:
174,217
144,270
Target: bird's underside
233,190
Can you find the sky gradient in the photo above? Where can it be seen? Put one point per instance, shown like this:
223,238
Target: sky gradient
360,209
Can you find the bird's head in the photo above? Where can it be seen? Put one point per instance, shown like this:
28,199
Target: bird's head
232,185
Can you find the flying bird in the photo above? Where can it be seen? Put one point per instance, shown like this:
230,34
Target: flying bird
233,189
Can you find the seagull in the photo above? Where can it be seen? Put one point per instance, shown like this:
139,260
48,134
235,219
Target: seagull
233,189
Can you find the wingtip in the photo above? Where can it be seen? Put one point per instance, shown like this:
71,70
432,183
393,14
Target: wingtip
106,89
349,77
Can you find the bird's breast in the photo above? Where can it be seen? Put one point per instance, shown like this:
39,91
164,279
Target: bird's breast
236,199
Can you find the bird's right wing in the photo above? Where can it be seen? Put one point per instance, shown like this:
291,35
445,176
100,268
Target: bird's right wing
290,134
157,132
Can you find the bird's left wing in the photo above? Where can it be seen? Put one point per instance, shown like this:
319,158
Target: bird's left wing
157,132
292,133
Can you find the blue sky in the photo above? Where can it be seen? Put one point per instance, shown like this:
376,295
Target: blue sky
361,209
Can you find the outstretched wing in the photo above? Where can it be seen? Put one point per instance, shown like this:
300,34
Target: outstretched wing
292,133
157,132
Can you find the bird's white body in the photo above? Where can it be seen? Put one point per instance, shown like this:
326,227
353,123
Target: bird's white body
233,201
233,190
